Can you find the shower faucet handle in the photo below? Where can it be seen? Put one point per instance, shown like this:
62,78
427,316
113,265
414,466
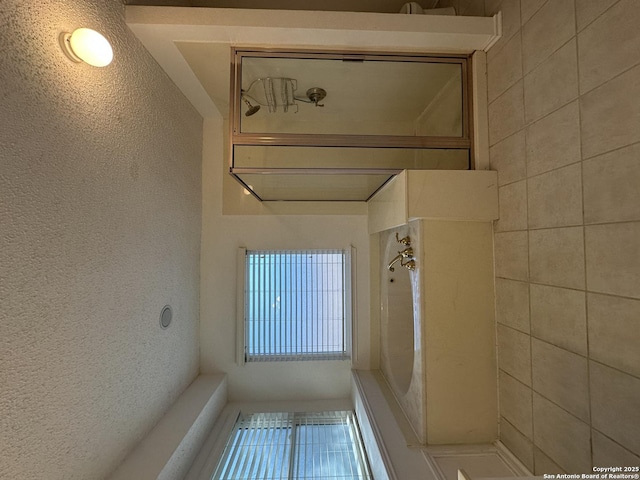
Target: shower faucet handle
406,241
410,265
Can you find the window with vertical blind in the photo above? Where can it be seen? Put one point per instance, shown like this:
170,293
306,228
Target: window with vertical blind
297,305
287,446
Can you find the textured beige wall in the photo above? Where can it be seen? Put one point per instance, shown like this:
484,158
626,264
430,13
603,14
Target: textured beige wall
100,202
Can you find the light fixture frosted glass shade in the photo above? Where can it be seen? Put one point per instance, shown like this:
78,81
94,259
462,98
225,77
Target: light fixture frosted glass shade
90,47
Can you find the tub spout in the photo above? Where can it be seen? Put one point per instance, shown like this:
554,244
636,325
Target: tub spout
396,258
406,253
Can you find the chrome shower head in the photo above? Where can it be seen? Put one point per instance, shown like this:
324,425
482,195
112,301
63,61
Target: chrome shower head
252,108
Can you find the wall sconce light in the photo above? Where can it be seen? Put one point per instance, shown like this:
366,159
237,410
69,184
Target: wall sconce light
86,45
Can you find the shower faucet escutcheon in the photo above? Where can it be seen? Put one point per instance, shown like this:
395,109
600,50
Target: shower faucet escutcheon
316,94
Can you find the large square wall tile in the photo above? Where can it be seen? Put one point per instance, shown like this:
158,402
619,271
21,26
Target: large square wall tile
506,114
557,257
514,353
613,258
512,204
610,116
515,404
611,186
505,69
560,435
552,84
546,31
588,10
511,252
512,304
517,443
554,141
543,464
614,332
562,377
615,397
607,453
608,44
555,198
559,316
508,158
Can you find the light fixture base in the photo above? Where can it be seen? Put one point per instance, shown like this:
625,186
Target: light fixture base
64,39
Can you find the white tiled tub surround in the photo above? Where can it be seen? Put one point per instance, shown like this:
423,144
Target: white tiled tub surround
564,125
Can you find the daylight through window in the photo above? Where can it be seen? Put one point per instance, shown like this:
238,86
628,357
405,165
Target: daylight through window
297,305
284,446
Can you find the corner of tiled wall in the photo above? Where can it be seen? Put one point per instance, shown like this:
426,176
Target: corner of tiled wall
564,126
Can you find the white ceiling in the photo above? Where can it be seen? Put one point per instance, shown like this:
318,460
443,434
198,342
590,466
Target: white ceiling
193,44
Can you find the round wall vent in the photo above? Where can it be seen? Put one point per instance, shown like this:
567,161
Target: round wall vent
166,316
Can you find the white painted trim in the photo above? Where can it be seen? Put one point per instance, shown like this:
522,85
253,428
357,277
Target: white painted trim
480,111
453,195
497,27
370,418
498,449
352,324
241,269
212,450
205,463
390,456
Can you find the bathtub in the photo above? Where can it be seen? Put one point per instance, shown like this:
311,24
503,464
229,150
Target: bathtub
437,330
401,352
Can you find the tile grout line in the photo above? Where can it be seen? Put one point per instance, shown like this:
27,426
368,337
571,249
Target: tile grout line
584,239
510,422
618,75
560,407
596,18
580,94
632,144
522,24
493,225
526,189
599,362
548,400
574,36
573,225
615,441
563,287
608,152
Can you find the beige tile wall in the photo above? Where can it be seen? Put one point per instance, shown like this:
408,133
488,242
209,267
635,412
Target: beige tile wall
564,123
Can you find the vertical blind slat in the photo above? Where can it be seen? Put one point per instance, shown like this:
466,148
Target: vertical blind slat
295,304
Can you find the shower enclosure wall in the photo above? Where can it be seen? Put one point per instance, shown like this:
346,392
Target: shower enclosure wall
337,126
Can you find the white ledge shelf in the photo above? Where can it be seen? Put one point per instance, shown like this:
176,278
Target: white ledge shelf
168,450
454,195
